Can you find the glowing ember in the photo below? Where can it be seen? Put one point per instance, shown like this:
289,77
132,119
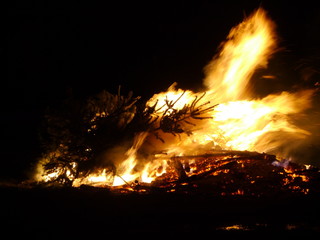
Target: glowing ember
237,122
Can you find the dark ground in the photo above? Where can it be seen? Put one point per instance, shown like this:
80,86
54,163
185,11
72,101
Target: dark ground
78,212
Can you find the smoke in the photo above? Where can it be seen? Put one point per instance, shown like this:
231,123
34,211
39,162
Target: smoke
111,156
308,150
303,148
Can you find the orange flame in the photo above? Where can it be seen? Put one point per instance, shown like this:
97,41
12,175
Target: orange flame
248,47
239,122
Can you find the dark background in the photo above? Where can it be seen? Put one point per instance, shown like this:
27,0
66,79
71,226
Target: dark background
53,49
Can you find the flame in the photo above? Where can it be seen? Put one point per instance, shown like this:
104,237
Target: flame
238,122
248,47
245,124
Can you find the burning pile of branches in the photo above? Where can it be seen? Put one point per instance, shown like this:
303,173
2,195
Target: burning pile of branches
172,120
76,136
235,173
178,140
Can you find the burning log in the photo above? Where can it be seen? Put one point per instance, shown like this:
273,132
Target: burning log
220,157
235,173
236,154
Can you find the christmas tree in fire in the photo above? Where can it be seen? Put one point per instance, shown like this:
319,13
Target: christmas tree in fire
112,140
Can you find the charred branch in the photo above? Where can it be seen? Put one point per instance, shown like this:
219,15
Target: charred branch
235,154
172,120
179,168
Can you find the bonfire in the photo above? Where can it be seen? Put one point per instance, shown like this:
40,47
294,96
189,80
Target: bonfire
221,140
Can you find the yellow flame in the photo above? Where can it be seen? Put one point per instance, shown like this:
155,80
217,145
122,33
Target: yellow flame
244,122
248,46
239,122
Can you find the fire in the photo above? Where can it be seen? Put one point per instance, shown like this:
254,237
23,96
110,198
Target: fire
245,124
238,122
248,47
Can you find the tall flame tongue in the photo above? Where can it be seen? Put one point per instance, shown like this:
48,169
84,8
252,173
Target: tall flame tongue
248,47
238,122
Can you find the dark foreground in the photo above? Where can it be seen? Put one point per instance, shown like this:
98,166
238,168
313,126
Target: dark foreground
51,213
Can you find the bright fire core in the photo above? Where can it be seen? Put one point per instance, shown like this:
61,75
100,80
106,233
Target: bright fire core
238,122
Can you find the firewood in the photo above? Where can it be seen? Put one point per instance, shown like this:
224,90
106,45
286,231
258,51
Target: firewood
179,168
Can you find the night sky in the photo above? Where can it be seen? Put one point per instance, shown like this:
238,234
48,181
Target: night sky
53,49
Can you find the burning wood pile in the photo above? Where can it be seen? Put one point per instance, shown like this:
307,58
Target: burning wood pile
179,141
219,172
235,173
